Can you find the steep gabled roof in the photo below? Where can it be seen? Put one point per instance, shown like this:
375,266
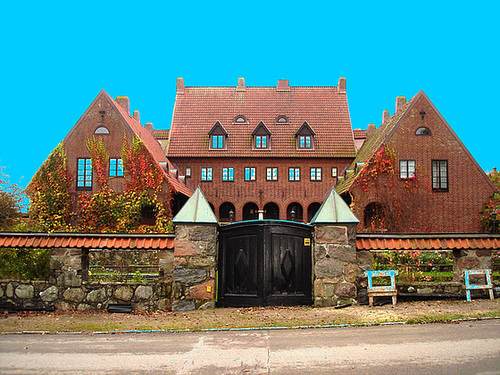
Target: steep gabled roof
372,144
197,109
150,142
383,135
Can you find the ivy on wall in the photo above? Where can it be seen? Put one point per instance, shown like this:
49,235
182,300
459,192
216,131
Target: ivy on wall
394,200
49,193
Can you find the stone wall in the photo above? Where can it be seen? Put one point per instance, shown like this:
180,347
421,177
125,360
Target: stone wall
337,272
195,264
470,259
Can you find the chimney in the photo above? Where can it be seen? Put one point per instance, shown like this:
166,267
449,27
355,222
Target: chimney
341,88
371,128
149,127
385,116
123,101
400,102
137,116
241,84
283,85
180,85
494,169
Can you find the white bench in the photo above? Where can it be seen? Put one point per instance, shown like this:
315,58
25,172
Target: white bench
468,286
382,290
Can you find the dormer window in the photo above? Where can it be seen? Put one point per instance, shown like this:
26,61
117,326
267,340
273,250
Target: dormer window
240,120
305,137
261,137
218,137
423,131
282,120
101,130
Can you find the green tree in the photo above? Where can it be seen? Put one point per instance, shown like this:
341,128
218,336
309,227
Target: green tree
12,201
495,178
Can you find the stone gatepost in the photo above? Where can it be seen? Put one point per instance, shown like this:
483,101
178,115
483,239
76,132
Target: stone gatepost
470,259
336,270
195,255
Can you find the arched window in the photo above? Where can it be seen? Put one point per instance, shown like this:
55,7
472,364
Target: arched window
282,120
374,216
294,212
271,211
240,120
311,210
250,211
225,211
423,131
101,130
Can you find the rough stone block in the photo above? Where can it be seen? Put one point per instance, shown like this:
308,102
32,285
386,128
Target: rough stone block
69,278
85,307
343,253
327,268
483,253
187,248
210,305
74,295
201,261
468,263
346,290
143,292
350,272
203,233
96,296
365,260
9,290
331,234
189,276
25,291
200,291
183,305
124,293
50,294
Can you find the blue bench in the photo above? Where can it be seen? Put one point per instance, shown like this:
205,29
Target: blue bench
468,286
383,290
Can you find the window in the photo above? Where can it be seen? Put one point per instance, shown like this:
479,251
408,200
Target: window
334,171
217,141
305,137
293,174
240,120
440,175
115,167
249,174
227,174
305,141
206,174
423,131
406,168
101,130
218,137
84,174
315,174
261,141
272,174
261,136
281,120
188,171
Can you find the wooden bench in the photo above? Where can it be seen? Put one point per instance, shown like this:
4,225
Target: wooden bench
383,290
468,286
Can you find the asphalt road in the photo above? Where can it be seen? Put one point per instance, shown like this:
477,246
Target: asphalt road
456,348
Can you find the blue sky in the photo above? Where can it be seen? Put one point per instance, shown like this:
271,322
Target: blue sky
57,56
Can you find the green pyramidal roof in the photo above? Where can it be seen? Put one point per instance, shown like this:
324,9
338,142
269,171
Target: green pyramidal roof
334,210
196,210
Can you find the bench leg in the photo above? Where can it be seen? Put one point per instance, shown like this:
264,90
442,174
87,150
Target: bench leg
394,299
370,301
467,292
491,294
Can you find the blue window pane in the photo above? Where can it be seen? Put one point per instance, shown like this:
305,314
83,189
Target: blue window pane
264,142
231,174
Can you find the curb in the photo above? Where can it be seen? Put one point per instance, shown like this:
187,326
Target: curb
139,331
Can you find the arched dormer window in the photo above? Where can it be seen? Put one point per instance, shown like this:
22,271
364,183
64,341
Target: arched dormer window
261,137
218,137
305,137
423,131
240,119
282,120
101,130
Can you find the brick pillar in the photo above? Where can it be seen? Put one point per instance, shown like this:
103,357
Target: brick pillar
336,270
195,263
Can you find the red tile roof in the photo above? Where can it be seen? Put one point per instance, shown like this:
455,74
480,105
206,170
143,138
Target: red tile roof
161,133
153,146
427,242
199,108
92,241
359,133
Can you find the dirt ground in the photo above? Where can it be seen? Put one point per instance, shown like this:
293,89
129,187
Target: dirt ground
227,318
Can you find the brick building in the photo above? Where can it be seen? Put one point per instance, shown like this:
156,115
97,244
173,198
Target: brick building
437,184
277,150
111,122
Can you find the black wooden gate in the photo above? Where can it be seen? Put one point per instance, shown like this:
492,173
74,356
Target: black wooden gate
265,262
